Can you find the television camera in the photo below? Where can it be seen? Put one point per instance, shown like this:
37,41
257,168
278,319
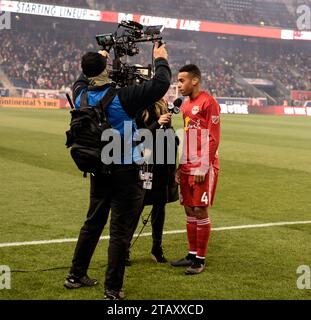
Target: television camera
124,43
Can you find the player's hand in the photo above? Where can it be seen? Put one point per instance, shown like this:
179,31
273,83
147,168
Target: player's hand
165,118
160,52
177,176
199,177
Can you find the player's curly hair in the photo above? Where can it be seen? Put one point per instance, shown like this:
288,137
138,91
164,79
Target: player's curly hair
192,69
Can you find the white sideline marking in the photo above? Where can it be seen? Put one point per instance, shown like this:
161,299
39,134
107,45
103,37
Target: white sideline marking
147,234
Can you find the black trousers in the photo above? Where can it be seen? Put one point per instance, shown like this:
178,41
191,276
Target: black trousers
122,192
157,223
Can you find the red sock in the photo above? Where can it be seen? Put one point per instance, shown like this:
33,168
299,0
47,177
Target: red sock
203,234
192,234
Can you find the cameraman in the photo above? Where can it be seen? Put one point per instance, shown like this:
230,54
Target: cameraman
121,190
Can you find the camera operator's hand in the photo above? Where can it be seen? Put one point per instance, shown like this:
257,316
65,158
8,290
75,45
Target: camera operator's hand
199,176
104,53
160,52
165,118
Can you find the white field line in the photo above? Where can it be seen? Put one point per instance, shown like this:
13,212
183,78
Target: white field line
147,234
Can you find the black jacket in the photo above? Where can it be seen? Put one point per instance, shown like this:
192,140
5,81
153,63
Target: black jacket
135,98
164,188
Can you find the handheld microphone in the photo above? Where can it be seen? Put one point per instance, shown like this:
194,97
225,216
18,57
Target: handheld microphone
174,108
179,101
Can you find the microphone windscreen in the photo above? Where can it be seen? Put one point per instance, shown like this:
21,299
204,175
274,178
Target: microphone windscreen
178,102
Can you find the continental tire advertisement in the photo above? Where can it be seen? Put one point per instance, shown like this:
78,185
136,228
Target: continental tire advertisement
38,103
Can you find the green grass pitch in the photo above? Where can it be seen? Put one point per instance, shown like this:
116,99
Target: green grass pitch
265,178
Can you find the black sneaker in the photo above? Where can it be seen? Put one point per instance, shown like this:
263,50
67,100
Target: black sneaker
114,295
73,282
184,262
157,254
196,268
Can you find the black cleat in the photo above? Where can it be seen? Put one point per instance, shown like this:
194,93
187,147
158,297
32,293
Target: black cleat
157,255
196,268
73,282
184,262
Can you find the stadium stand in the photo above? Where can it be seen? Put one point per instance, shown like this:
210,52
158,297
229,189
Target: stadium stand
44,53
256,12
44,59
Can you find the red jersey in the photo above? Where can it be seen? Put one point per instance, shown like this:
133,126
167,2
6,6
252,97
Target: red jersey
202,133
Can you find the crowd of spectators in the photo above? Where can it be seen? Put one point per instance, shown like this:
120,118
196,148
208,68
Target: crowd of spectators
254,12
44,53
291,68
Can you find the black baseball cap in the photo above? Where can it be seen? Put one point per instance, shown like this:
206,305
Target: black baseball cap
93,64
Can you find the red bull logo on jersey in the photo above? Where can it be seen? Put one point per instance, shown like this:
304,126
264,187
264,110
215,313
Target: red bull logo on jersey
195,110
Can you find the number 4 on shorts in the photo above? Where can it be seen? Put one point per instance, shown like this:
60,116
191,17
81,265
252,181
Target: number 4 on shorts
204,198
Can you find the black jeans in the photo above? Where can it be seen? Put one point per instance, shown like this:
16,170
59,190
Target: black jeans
122,192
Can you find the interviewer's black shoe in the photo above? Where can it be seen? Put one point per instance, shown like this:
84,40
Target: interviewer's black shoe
196,268
74,282
157,255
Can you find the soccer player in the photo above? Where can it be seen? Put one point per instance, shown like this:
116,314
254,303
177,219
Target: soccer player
199,165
